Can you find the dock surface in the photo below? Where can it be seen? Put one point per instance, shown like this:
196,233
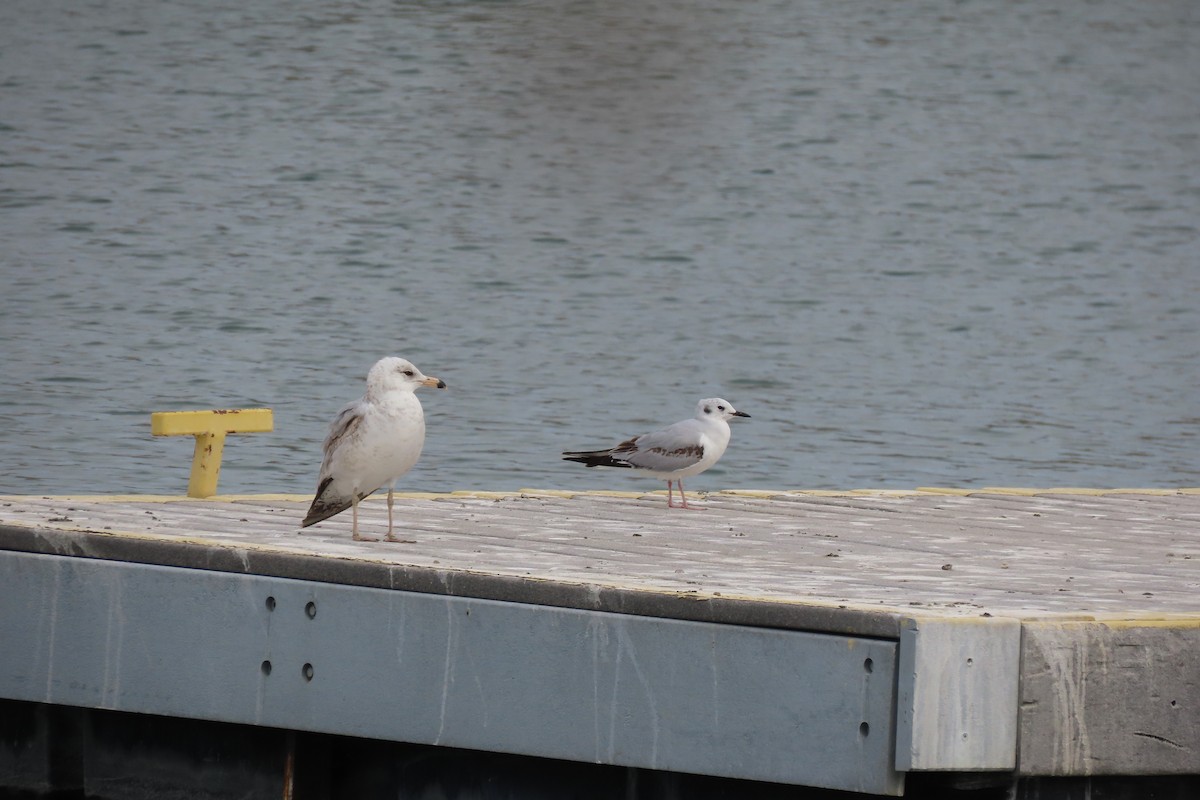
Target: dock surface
780,559
1039,632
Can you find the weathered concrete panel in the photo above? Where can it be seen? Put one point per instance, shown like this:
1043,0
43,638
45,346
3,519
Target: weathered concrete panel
957,698
1110,698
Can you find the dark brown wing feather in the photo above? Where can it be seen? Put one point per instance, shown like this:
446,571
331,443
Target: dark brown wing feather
341,429
604,458
322,508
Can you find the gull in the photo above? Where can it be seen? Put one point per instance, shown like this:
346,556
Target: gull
676,452
373,441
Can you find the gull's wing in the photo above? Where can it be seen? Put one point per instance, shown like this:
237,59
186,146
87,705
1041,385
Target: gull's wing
675,447
341,431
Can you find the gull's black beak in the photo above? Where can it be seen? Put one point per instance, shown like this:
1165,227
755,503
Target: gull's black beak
741,414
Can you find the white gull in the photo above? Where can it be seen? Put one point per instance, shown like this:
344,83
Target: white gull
372,442
676,452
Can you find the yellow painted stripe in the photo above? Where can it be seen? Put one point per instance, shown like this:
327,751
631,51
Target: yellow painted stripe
568,493
1119,620
1029,492
1183,621
159,498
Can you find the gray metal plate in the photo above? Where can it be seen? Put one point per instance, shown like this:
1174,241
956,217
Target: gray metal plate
764,704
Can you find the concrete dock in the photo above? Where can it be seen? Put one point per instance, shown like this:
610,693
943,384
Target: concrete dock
859,641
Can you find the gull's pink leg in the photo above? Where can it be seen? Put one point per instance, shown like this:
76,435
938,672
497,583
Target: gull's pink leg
682,496
670,495
390,536
354,516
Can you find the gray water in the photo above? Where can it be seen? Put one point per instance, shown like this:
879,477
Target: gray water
922,243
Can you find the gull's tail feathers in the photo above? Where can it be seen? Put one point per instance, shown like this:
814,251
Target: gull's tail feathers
325,506
597,458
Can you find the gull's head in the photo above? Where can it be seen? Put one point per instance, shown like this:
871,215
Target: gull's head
716,408
393,373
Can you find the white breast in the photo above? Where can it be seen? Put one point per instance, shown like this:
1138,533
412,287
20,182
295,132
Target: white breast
384,447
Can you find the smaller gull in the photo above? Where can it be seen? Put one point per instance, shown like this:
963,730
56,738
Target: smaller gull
676,452
372,442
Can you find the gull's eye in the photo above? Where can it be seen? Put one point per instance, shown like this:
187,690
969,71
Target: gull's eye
408,372
720,408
